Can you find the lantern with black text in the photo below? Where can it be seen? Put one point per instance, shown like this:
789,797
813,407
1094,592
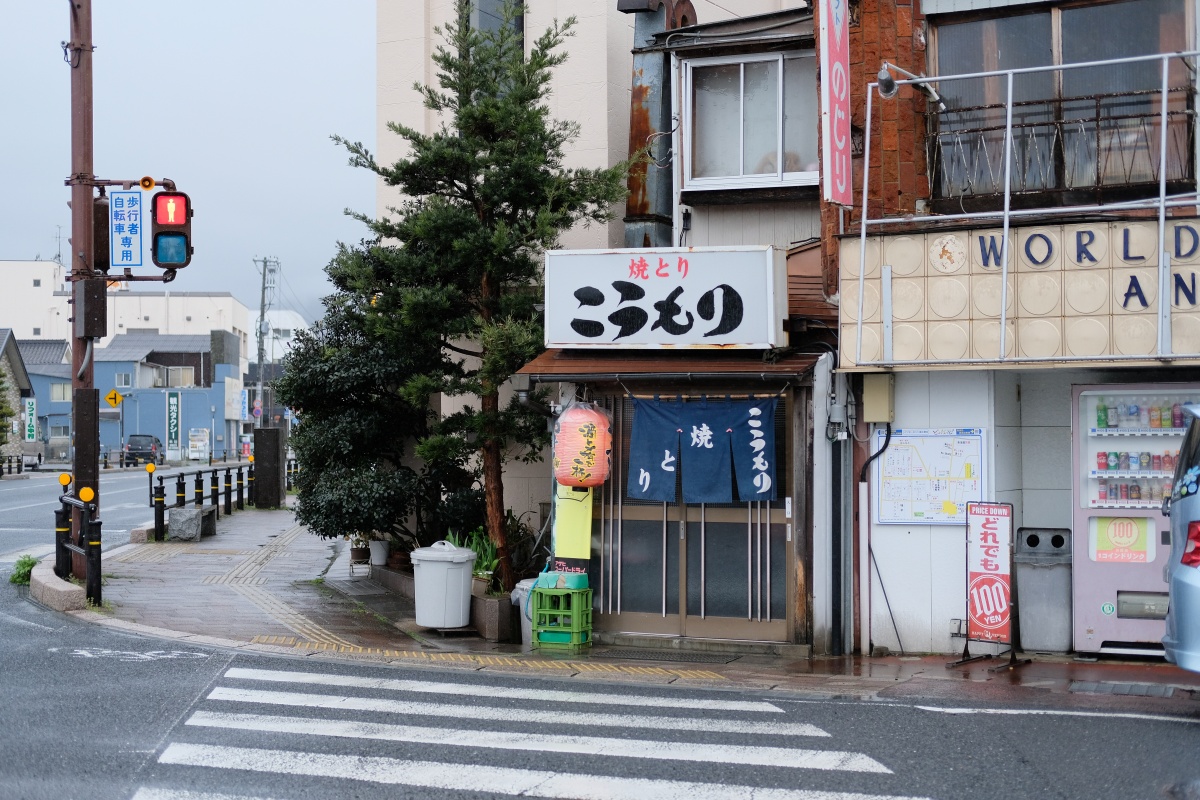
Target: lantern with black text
582,446
171,230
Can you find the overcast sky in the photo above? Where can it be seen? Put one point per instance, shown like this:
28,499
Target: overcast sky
234,100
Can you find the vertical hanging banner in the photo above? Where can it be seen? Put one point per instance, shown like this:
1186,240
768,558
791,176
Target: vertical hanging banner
989,594
707,442
707,472
653,451
754,449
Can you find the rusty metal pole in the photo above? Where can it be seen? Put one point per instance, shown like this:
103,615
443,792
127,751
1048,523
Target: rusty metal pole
85,405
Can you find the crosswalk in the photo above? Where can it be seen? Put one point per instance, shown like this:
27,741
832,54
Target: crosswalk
261,730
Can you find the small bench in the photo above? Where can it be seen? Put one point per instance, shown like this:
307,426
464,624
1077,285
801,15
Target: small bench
191,523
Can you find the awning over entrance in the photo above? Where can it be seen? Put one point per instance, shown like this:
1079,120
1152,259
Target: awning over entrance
593,365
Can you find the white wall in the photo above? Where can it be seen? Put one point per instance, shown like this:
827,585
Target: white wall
922,568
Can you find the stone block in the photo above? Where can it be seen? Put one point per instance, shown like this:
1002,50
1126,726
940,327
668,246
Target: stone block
495,618
189,524
53,592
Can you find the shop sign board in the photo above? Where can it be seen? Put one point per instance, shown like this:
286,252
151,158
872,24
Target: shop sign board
173,420
1088,290
836,185
30,419
989,570
233,398
650,298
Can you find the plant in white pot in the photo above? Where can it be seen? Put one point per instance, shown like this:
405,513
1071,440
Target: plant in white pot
379,545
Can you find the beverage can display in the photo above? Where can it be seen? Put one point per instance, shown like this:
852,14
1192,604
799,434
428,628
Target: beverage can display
1177,416
1168,462
1114,460
1101,460
1124,491
1144,460
1155,416
1101,413
1135,491
1155,463
1123,460
1103,490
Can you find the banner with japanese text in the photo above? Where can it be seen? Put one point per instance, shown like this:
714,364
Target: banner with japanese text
713,444
989,593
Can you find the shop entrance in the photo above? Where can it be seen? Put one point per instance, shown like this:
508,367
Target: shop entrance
695,570
691,570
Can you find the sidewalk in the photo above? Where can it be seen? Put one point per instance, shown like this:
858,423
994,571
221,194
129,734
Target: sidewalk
264,584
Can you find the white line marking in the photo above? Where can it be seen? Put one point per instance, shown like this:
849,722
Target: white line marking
39,552
460,689
20,621
512,714
1054,713
146,793
489,781
793,758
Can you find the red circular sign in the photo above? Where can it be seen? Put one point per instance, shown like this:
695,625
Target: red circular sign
987,602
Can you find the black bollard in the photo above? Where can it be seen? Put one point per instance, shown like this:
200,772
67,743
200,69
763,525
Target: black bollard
199,489
228,492
106,459
91,530
241,487
62,535
160,511
214,487
250,483
180,491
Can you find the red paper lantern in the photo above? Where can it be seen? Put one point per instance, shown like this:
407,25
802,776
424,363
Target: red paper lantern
582,446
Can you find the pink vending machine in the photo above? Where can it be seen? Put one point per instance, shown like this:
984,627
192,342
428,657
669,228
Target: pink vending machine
1127,438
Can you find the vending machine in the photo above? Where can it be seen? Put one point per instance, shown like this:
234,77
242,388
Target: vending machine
1127,439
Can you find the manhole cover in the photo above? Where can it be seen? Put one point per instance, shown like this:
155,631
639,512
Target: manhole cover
356,587
668,655
1130,689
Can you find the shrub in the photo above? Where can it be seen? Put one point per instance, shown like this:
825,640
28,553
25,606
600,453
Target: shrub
22,570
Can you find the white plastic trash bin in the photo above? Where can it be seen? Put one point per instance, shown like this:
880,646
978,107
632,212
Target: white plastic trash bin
520,598
442,584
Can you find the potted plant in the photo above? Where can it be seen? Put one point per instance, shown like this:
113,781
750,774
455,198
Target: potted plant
379,549
486,559
360,550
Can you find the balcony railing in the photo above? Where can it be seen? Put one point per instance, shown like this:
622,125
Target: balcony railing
1019,158
1092,147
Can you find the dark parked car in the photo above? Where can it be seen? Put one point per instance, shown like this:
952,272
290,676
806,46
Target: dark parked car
1182,639
143,448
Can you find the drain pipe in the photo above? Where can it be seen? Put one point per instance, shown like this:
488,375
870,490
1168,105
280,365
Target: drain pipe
864,549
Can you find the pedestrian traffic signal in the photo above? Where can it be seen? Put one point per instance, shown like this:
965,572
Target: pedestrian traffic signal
100,255
171,230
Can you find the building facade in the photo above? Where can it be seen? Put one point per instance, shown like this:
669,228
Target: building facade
1020,260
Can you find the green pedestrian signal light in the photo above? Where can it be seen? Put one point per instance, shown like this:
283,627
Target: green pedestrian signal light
171,230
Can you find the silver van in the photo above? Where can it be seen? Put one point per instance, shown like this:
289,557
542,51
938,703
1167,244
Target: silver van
1182,639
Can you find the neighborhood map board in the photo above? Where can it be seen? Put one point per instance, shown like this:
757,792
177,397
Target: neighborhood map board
927,477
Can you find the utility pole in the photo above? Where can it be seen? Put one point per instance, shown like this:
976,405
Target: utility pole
269,265
89,309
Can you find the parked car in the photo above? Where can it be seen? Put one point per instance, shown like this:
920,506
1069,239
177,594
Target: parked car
1182,638
144,448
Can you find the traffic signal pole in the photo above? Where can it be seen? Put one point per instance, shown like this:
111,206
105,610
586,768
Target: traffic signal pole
87,290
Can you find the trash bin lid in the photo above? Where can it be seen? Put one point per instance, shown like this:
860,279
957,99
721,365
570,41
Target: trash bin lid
443,551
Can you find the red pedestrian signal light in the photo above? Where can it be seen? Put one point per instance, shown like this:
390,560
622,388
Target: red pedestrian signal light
171,230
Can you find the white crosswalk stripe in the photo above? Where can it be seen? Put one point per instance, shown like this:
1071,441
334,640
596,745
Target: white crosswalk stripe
392,715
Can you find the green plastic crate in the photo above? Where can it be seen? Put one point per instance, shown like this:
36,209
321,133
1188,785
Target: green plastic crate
562,641
567,610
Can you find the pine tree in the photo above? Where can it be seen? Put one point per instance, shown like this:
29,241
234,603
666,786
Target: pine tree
453,276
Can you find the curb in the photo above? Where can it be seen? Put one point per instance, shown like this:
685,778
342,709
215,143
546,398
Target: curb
53,592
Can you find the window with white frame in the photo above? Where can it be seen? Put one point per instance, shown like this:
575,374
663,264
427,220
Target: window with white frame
124,380
60,431
180,376
750,121
60,393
